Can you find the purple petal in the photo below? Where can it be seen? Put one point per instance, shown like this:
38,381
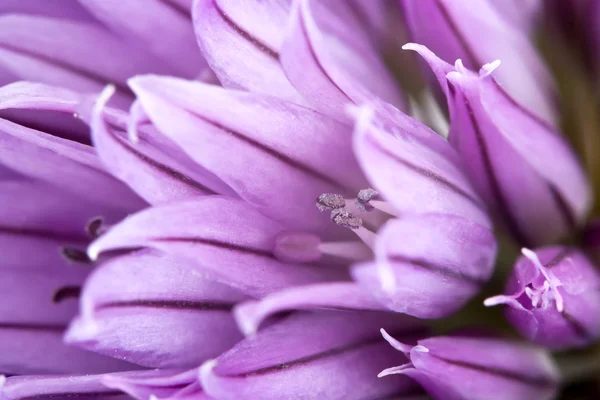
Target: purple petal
453,31
68,165
211,232
413,168
329,296
229,31
84,387
43,107
308,153
430,265
132,304
318,355
331,61
164,384
56,9
138,20
74,54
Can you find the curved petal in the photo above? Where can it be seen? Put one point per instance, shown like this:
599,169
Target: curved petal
328,296
330,60
277,156
137,22
211,232
164,384
229,31
132,304
337,358
429,265
68,165
413,168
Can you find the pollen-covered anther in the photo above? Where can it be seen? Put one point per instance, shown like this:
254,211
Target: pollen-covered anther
363,199
330,201
343,217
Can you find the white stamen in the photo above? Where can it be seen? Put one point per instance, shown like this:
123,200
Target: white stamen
421,349
552,281
487,69
460,67
402,347
395,370
350,250
503,299
103,99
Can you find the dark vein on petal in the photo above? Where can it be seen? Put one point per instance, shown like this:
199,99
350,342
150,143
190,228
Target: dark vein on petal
100,80
501,202
246,35
539,381
428,174
318,356
274,153
65,293
563,207
317,61
69,395
25,326
157,165
43,234
171,304
472,58
178,8
438,269
579,329
217,243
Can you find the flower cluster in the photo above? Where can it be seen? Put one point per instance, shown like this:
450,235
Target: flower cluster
224,199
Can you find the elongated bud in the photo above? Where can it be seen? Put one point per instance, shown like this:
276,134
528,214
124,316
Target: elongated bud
525,170
553,298
474,368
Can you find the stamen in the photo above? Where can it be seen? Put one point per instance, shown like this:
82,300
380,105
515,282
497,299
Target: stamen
353,250
66,292
95,227
300,247
363,199
330,201
343,217
404,348
552,282
75,255
395,370
385,207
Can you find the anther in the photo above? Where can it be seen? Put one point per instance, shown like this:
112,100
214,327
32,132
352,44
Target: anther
66,292
363,199
75,255
343,217
330,201
95,227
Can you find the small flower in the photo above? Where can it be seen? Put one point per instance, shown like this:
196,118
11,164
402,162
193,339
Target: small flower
470,367
553,298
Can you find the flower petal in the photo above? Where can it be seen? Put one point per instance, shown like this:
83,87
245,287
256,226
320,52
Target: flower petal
229,31
164,384
277,156
213,231
430,265
337,358
132,304
331,61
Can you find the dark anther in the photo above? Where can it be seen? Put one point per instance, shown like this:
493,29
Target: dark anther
66,292
343,217
94,227
363,199
75,255
330,201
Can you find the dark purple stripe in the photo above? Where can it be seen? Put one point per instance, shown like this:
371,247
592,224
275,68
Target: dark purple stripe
314,56
501,202
100,80
172,304
67,395
563,207
246,35
579,329
66,292
318,356
472,58
178,8
274,153
75,255
429,175
25,326
43,234
158,166
219,244
438,269
538,381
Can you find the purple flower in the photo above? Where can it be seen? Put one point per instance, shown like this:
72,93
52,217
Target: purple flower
469,367
553,298
534,183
